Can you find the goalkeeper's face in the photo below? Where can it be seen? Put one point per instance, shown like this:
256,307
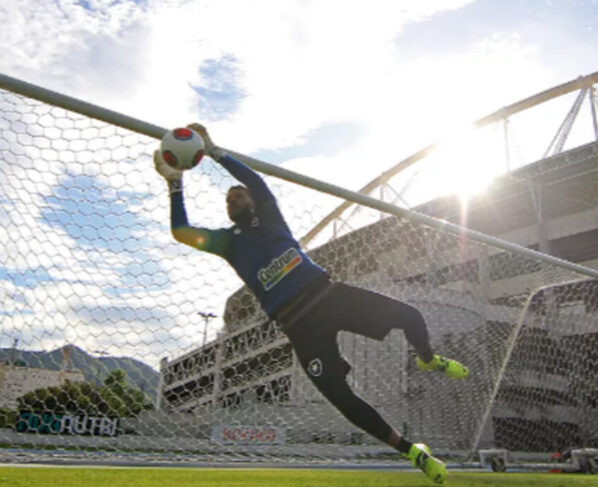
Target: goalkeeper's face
239,204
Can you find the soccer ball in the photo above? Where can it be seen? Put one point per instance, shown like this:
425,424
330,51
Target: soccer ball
182,148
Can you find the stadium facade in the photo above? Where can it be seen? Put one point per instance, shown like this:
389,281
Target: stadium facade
250,376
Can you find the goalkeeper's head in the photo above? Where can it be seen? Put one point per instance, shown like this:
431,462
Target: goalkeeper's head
240,205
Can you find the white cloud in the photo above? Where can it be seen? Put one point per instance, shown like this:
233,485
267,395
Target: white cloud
42,35
302,62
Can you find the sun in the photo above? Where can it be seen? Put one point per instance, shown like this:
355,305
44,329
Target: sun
464,164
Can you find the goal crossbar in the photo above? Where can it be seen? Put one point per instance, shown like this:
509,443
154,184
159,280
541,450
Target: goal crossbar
130,123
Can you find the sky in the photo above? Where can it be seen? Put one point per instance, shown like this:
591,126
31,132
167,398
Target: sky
337,90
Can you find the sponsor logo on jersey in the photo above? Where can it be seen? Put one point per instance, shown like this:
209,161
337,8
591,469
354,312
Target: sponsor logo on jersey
279,267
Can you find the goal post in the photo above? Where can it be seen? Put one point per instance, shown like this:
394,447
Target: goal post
115,338
552,296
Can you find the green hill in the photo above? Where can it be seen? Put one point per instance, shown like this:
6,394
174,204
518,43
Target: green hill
95,369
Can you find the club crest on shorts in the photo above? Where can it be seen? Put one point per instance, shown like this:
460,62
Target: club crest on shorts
315,367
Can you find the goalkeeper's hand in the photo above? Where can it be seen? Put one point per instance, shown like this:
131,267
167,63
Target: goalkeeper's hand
174,177
212,150
167,172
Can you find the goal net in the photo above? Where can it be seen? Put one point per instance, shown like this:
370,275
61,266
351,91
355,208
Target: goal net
115,340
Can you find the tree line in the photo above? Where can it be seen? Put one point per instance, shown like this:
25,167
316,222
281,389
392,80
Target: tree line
113,398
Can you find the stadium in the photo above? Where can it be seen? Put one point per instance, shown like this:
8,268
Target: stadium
508,286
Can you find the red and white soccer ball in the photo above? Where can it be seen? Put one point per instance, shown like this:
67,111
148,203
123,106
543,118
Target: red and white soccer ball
182,148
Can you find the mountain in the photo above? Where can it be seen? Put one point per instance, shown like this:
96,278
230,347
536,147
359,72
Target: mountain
94,369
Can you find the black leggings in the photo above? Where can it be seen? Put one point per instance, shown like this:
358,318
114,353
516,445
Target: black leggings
347,308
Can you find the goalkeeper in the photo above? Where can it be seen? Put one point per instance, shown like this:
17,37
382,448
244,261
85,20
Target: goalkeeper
299,295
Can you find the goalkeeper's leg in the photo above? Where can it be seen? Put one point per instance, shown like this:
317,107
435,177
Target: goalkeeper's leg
374,315
321,359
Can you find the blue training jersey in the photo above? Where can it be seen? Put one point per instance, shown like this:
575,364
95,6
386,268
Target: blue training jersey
264,253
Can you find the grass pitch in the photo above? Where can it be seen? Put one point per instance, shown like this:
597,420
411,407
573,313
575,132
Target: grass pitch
188,477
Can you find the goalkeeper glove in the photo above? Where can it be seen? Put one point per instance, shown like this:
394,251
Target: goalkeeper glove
212,150
174,177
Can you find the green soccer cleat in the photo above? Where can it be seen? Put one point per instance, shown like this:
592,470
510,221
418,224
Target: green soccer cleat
421,457
451,368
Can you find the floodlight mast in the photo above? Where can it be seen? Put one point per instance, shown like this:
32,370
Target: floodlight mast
206,322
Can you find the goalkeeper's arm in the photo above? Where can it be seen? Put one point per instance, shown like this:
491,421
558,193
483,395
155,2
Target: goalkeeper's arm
198,238
253,181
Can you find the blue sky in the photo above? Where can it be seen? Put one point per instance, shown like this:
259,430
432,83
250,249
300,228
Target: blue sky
336,90
78,200
220,93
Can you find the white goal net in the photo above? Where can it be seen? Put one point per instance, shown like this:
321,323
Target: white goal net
114,339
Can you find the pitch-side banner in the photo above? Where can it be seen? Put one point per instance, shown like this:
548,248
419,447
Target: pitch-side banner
51,423
248,435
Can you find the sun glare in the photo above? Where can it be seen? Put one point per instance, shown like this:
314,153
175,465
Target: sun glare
465,164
